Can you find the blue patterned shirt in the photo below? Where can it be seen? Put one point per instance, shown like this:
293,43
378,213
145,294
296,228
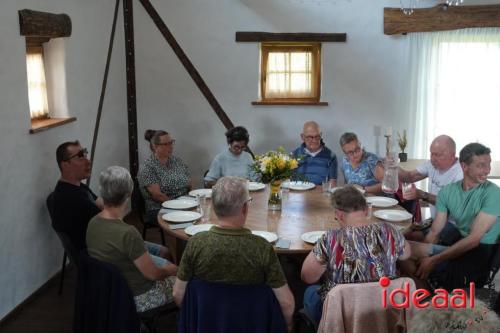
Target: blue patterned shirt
364,173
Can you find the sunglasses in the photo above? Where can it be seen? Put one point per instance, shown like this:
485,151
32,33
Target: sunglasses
81,154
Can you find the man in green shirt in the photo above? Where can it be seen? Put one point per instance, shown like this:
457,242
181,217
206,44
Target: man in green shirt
231,254
473,204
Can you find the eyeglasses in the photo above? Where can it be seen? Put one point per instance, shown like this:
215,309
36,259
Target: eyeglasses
356,151
249,200
168,143
81,154
238,147
313,137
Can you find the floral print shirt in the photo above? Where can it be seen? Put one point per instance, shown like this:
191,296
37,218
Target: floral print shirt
358,254
173,178
364,173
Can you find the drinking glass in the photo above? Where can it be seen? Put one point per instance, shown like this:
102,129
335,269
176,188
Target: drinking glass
325,185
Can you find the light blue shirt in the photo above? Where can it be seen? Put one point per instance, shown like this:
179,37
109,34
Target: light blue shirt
229,164
364,173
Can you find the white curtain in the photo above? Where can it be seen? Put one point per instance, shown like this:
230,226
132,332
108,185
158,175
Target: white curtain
289,75
37,88
454,88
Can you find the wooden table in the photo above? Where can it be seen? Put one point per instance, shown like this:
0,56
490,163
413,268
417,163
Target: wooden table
302,211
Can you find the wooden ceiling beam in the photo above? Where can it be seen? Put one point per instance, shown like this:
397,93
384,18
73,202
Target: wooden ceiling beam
41,24
257,36
441,17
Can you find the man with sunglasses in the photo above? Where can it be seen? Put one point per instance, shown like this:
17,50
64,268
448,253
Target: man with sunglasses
317,163
74,203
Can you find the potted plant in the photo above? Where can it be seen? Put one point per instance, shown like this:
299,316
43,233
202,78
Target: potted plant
402,143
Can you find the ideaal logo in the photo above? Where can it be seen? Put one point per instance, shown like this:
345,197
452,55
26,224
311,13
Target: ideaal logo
439,300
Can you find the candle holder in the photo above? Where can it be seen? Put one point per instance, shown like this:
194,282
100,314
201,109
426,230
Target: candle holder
387,144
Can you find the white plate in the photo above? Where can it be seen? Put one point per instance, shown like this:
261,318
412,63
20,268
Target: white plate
254,186
383,202
180,204
312,236
301,186
181,216
206,192
194,229
268,236
392,215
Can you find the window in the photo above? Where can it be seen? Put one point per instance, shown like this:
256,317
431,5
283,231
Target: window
290,72
37,86
456,87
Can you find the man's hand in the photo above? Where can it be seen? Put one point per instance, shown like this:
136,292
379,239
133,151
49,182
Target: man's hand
410,192
171,269
425,267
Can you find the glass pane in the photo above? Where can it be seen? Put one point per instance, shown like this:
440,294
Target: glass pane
300,82
37,89
300,62
277,82
276,62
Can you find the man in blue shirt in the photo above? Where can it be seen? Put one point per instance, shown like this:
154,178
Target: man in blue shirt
318,163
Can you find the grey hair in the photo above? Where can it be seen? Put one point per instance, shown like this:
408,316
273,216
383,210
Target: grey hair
116,185
229,195
347,138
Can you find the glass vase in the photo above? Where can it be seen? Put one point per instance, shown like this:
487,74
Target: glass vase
274,202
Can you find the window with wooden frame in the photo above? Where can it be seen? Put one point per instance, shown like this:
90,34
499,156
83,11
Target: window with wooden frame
45,67
37,86
290,73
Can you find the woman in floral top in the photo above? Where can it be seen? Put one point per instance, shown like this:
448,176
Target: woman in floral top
360,167
163,176
360,251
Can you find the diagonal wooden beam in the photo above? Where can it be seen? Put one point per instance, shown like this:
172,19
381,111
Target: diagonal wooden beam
188,65
441,17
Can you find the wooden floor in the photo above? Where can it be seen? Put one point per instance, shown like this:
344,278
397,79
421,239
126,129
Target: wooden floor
53,313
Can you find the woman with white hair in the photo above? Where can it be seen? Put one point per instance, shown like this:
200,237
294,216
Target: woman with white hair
109,239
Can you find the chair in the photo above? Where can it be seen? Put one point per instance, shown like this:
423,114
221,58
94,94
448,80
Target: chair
140,207
489,295
224,308
69,249
357,307
104,302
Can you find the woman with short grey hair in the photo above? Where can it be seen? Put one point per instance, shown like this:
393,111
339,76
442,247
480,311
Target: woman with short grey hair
149,276
360,168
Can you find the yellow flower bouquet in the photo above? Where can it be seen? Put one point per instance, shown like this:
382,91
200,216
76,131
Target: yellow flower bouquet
275,165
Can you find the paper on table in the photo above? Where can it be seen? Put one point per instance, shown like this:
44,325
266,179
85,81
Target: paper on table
181,226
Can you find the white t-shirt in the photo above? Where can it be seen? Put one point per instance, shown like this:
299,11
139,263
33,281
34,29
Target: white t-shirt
438,179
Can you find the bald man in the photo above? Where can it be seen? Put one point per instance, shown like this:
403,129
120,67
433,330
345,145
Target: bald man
442,169
318,163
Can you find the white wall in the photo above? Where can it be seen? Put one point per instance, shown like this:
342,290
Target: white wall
30,252
362,81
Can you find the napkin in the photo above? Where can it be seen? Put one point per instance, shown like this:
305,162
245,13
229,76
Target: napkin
180,226
283,243
166,210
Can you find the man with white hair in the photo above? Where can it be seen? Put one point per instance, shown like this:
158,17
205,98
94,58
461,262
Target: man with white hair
318,163
442,169
229,253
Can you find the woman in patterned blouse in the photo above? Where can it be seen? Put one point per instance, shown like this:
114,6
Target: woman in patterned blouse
163,176
360,251
360,167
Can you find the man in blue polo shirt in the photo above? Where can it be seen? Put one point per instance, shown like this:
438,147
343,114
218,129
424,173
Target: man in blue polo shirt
318,163
473,204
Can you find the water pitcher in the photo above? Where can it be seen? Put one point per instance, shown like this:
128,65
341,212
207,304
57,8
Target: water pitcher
390,184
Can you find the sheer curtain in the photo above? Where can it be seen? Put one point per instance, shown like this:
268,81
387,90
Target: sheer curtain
289,75
37,88
455,88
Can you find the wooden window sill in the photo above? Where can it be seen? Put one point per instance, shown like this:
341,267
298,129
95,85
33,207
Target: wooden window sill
290,103
39,125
